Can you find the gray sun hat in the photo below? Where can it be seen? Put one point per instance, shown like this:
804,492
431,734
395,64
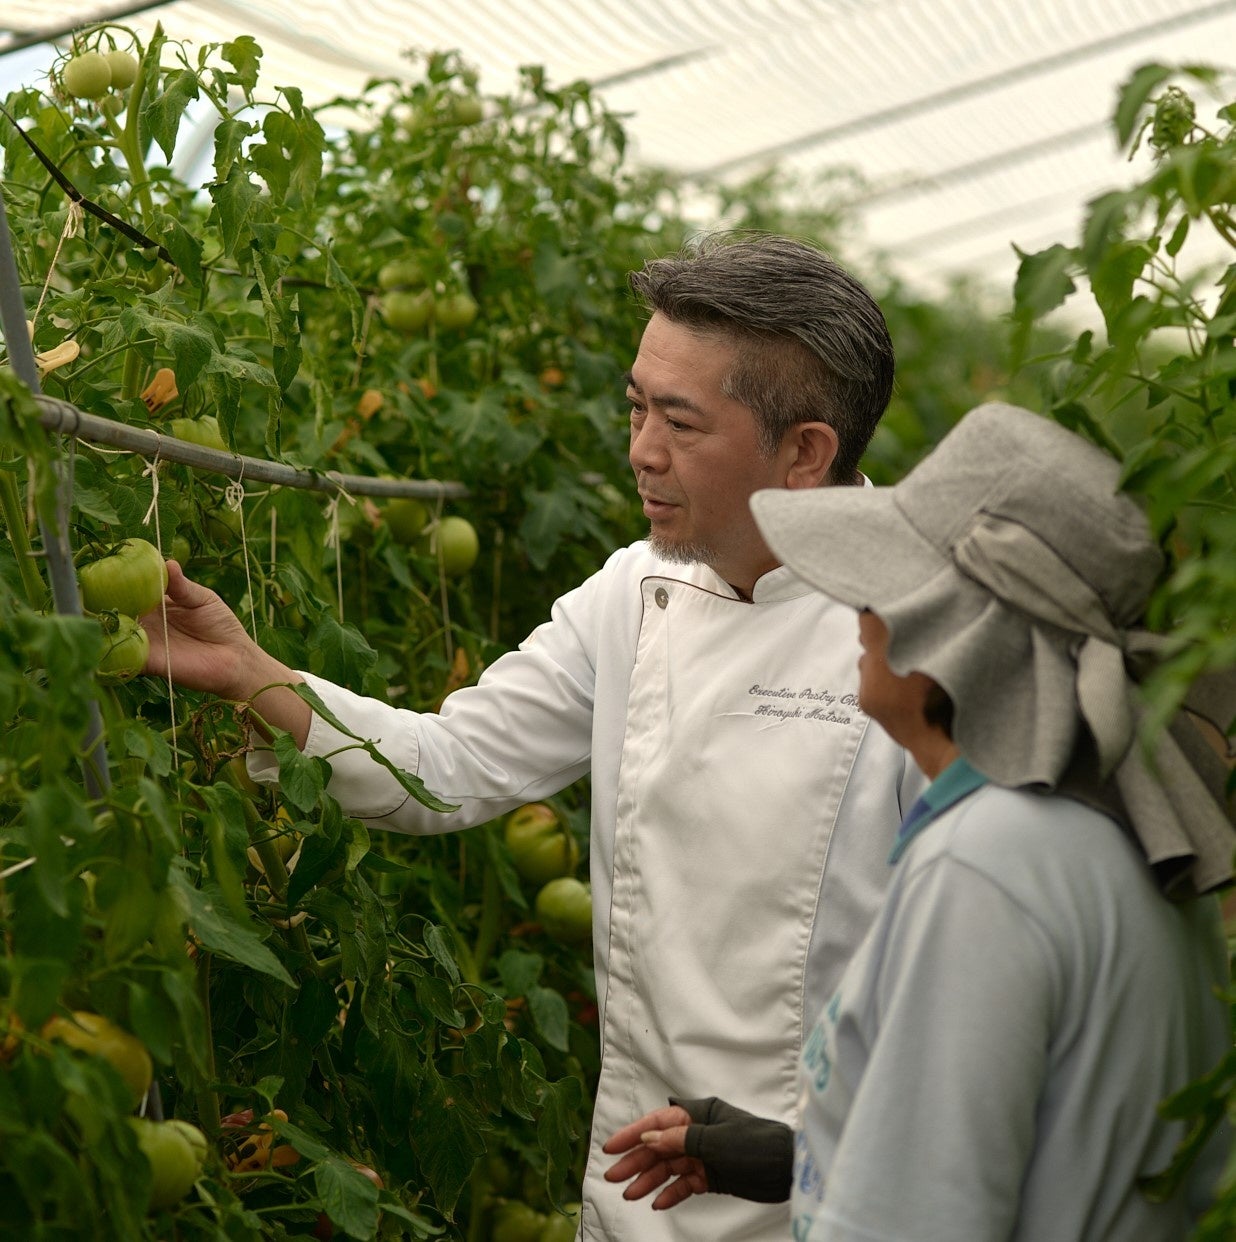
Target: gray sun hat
1009,568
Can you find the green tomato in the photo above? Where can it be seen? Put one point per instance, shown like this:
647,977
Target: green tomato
454,540
541,847
204,431
455,311
564,910
406,311
559,1228
516,1222
98,1036
130,579
173,1160
406,517
466,110
404,273
87,76
123,66
194,1137
128,648
180,551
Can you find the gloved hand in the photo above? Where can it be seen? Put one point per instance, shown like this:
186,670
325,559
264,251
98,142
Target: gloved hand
744,1155
706,1145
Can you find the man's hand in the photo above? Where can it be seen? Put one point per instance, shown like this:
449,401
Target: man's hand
656,1151
208,648
710,1146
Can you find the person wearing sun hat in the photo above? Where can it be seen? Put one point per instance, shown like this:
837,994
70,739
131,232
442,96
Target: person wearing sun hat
1045,968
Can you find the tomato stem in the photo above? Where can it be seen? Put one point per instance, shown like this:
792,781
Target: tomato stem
15,522
478,1186
207,1100
130,141
487,928
130,383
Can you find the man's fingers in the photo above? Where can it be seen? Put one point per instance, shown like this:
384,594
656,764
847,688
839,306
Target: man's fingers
632,1163
678,1190
648,1181
671,1141
630,1135
184,591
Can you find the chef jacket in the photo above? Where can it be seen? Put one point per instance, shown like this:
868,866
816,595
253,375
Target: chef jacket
743,810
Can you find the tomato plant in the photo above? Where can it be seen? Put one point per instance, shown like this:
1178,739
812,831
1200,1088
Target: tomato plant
1155,388
274,957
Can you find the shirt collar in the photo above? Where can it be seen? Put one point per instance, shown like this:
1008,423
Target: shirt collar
956,782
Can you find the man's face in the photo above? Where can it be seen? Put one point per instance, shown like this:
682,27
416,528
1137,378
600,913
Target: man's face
695,456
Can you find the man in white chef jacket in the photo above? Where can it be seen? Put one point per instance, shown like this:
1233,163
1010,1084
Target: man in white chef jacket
742,807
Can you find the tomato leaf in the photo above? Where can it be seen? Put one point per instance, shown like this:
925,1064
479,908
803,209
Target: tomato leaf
143,742
221,932
1133,96
50,815
162,113
244,54
235,198
559,1105
519,971
349,1199
446,1135
1044,280
411,783
438,942
550,1013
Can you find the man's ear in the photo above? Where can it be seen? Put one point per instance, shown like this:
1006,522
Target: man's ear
814,448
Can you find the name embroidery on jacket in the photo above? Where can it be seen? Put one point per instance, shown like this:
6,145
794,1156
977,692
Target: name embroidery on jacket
805,703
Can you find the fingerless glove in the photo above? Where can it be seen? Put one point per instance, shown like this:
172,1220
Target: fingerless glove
743,1155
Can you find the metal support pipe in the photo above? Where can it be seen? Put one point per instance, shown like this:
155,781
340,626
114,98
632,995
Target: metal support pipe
54,518
63,416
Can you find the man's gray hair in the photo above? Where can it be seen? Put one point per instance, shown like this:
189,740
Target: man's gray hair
812,345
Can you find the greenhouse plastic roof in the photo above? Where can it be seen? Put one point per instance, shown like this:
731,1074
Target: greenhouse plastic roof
972,125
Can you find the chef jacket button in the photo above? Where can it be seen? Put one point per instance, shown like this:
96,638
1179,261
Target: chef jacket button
662,597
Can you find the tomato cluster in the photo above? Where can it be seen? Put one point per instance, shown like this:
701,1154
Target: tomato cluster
175,1150
91,75
120,587
409,300
450,541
